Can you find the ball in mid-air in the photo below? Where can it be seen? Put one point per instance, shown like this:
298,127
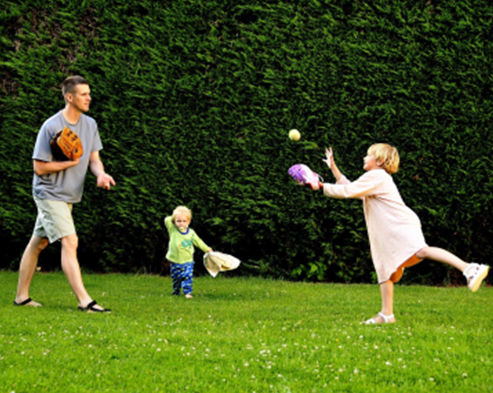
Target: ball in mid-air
294,135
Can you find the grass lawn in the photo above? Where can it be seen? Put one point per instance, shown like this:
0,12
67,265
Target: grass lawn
243,335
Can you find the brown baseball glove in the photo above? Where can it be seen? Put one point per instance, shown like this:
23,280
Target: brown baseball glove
66,145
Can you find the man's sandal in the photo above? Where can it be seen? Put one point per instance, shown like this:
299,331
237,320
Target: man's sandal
386,318
26,303
90,308
475,275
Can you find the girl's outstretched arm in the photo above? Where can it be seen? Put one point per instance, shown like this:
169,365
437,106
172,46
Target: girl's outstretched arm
331,164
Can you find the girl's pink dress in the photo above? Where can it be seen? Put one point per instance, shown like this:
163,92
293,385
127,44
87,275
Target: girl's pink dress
393,228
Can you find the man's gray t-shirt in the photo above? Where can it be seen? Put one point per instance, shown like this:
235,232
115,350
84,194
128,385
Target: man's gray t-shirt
67,185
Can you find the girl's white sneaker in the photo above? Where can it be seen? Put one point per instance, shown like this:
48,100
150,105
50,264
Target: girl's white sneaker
475,275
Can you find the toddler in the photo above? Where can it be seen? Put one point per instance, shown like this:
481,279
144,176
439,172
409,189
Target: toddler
182,240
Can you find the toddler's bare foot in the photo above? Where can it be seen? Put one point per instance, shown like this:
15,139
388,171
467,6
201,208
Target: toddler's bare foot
189,296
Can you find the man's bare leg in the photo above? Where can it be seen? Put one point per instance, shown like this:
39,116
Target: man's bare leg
71,268
27,268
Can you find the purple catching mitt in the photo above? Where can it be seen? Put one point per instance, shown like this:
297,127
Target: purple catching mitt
304,175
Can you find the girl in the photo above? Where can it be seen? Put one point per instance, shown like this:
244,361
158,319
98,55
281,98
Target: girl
180,249
396,238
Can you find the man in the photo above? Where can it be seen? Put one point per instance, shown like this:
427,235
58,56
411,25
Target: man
59,184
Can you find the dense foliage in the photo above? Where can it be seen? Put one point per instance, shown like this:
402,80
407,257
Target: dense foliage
194,100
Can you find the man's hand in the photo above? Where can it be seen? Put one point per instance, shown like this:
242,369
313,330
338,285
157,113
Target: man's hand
42,168
105,181
97,168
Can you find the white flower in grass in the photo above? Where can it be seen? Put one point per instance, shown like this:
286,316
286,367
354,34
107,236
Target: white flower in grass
158,349
355,371
464,375
432,379
388,363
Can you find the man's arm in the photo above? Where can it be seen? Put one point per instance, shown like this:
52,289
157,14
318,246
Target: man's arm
45,168
103,179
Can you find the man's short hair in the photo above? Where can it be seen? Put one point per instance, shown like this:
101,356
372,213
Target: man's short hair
69,84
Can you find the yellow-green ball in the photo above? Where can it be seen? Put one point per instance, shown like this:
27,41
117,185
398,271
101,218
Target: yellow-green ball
294,135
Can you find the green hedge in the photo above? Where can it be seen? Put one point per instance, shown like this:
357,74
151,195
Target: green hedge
194,101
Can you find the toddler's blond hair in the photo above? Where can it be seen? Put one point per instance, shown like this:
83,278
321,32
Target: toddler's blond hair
182,210
387,155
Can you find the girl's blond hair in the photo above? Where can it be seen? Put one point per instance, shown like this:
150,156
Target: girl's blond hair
182,210
387,155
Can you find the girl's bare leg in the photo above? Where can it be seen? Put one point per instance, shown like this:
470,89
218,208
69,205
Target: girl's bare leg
474,272
387,292
441,255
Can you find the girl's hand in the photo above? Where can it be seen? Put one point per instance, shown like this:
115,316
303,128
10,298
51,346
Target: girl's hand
330,157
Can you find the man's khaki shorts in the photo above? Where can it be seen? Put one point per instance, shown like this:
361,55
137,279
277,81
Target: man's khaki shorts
54,219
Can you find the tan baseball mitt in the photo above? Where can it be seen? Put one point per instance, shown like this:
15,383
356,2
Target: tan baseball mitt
66,145
215,262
